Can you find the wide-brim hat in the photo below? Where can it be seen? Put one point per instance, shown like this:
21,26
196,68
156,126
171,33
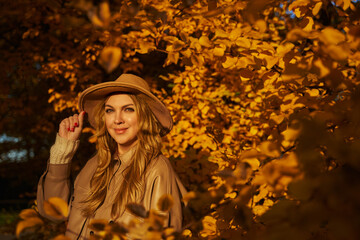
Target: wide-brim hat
130,83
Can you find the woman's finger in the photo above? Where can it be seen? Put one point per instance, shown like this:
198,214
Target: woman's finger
81,119
64,127
71,123
75,122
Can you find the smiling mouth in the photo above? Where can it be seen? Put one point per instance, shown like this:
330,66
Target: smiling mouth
120,130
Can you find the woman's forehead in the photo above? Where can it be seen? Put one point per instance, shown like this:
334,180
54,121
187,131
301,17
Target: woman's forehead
119,99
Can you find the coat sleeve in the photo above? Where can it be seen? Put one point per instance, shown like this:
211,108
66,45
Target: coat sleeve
163,180
55,182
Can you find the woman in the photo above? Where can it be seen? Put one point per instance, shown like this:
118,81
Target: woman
128,167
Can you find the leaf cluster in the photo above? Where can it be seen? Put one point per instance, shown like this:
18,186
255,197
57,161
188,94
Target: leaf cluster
264,97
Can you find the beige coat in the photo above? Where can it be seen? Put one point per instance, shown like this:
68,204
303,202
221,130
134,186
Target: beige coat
160,179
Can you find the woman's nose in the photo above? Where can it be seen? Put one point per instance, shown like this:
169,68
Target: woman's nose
118,118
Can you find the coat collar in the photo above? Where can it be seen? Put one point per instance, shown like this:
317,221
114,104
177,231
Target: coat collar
125,158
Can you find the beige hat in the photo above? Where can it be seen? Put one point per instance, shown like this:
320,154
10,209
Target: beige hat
91,96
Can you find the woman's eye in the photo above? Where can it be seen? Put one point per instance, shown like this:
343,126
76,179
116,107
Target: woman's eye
109,110
129,109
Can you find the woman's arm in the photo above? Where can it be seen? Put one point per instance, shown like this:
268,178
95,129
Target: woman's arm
55,181
161,180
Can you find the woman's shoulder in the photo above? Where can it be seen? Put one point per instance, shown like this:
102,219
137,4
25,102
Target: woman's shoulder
160,166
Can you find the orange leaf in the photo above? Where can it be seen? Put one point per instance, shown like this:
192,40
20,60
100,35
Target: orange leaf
29,222
187,197
246,74
28,213
331,35
307,24
110,58
98,224
204,41
56,207
61,237
317,8
137,210
165,202
230,62
104,11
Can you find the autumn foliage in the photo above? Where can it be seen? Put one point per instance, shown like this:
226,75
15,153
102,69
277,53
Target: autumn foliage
264,95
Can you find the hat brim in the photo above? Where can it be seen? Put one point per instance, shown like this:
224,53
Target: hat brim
93,95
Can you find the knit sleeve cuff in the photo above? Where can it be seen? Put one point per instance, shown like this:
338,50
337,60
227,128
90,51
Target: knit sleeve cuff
63,150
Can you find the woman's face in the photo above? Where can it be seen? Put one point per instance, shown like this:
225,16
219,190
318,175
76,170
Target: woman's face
121,120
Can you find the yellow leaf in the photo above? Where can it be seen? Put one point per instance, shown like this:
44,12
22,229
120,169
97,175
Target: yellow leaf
173,57
317,8
205,110
165,202
186,53
137,210
221,34
29,222
194,43
104,11
177,45
298,3
277,118
323,70
98,224
243,42
253,162
283,49
169,231
346,4
270,149
204,41
236,33
298,12
253,131
197,60
110,58
246,74
331,36
145,47
188,196
219,51
56,207
230,62
201,105
187,233
209,227
155,235
244,62
61,237
94,18
338,53
290,136
313,92
261,25
307,24
28,213
259,210
156,220
296,34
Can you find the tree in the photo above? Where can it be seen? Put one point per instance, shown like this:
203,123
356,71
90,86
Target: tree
262,94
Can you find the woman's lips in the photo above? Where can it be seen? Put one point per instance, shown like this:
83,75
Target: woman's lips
120,130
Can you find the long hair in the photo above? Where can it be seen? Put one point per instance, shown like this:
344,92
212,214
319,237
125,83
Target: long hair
147,148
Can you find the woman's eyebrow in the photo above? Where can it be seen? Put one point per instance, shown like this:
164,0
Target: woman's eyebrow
127,105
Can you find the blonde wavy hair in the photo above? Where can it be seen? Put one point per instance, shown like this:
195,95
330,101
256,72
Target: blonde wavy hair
147,148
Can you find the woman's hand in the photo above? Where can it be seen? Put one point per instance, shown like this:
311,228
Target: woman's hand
70,128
